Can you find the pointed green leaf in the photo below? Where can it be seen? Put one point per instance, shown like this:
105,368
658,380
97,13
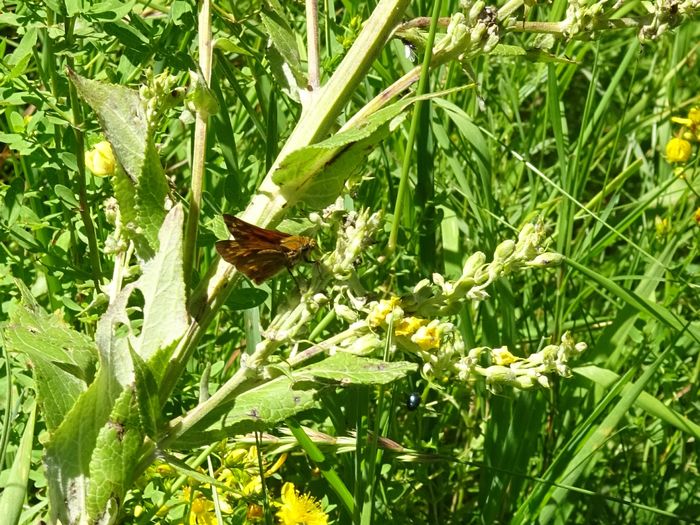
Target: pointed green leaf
147,395
284,53
64,360
69,451
114,459
316,174
140,187
163,288
270,403
350,369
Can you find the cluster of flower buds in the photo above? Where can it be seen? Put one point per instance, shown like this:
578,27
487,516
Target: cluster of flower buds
501,368
329,279
443,297
159,94
115,241
416,324
356,233
583,16
666,14
470,32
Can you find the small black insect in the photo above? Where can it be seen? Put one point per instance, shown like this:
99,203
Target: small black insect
413,401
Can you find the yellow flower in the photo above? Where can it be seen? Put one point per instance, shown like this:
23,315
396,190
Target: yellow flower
677,150
696,216
380,311
694,116
501,356
409,325
427,337
165,469
299,509
662,226
253,486
100,159
202,512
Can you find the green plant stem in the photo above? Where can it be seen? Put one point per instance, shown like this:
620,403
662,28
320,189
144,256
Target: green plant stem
408,153
508,8
51,68
268,204
200,144
84,209
317,457
314,67
7,416
321,326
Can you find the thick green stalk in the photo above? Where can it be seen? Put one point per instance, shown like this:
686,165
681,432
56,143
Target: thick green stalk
200,143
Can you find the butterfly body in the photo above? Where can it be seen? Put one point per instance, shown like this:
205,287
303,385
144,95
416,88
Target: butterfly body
260,253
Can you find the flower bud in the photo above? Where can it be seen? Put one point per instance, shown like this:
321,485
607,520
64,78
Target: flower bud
473,264
504,250
678,150
100,159
546,259
476,9
345,312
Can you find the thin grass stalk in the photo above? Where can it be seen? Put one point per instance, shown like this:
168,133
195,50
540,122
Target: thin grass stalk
320,460
408,153
84,209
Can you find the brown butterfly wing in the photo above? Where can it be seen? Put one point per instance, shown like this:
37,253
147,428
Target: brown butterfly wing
256,262
242,230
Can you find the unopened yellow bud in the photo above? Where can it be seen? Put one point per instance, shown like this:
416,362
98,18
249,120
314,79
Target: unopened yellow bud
100,159
678,150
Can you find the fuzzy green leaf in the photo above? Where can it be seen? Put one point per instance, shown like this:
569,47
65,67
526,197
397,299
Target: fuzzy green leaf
316,174
163,288
269,403
146,395
350,369
141,188
114,458
64,360
284,53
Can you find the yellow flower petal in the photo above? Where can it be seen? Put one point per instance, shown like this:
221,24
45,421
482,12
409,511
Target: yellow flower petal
427,337
100,159
299,509
380,311
409,325
678,150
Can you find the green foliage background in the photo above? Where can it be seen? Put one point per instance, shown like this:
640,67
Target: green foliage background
572,131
